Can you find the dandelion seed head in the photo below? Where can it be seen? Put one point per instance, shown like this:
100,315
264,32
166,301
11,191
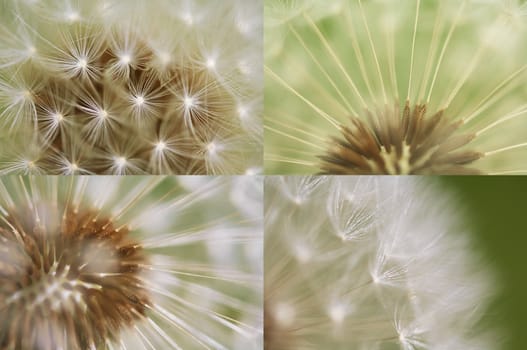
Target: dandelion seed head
31,50
58,117
337,312
354,61
165,58
120,161
30,164
211,63
404,265
284,314
74,262
23,97
189,102
82,63
139,100
242,111
60,271
115,56
302,252
212,148
125,59
161,146
72,16
400,142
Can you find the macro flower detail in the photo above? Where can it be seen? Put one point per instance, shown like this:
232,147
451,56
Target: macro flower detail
106,87
142,263
391,144
380,87
59,283
356,262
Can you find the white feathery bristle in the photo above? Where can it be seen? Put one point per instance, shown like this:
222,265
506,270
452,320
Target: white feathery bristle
333,65
388,264
154,260
121,71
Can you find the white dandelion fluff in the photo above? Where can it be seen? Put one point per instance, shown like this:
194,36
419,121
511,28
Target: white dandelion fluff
370,263
87,82
396,87
130,263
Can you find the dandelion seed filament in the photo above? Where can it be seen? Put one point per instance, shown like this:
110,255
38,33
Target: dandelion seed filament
117,78
54,271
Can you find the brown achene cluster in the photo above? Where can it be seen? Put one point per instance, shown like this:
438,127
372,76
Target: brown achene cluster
400,142
139,107
75,288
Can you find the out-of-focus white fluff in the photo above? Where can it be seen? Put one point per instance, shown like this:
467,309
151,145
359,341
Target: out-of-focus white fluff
370,263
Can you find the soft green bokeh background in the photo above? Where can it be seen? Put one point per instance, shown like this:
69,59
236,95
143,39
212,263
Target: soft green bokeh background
497,210
480,54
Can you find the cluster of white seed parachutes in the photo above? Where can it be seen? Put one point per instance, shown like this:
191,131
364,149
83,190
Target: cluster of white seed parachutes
135,87
369,263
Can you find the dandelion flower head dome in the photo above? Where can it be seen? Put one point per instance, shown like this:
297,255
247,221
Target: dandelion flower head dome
130,263
371,263
396,87
130,87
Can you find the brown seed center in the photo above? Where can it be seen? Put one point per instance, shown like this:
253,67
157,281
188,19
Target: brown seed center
73,286
98,112
395,141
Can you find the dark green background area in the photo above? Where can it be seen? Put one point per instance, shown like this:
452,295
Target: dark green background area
497,211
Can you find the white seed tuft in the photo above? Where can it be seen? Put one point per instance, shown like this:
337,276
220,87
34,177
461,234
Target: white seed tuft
388,87
108,262
387,265
82,57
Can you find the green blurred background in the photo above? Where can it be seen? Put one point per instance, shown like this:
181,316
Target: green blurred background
497,212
